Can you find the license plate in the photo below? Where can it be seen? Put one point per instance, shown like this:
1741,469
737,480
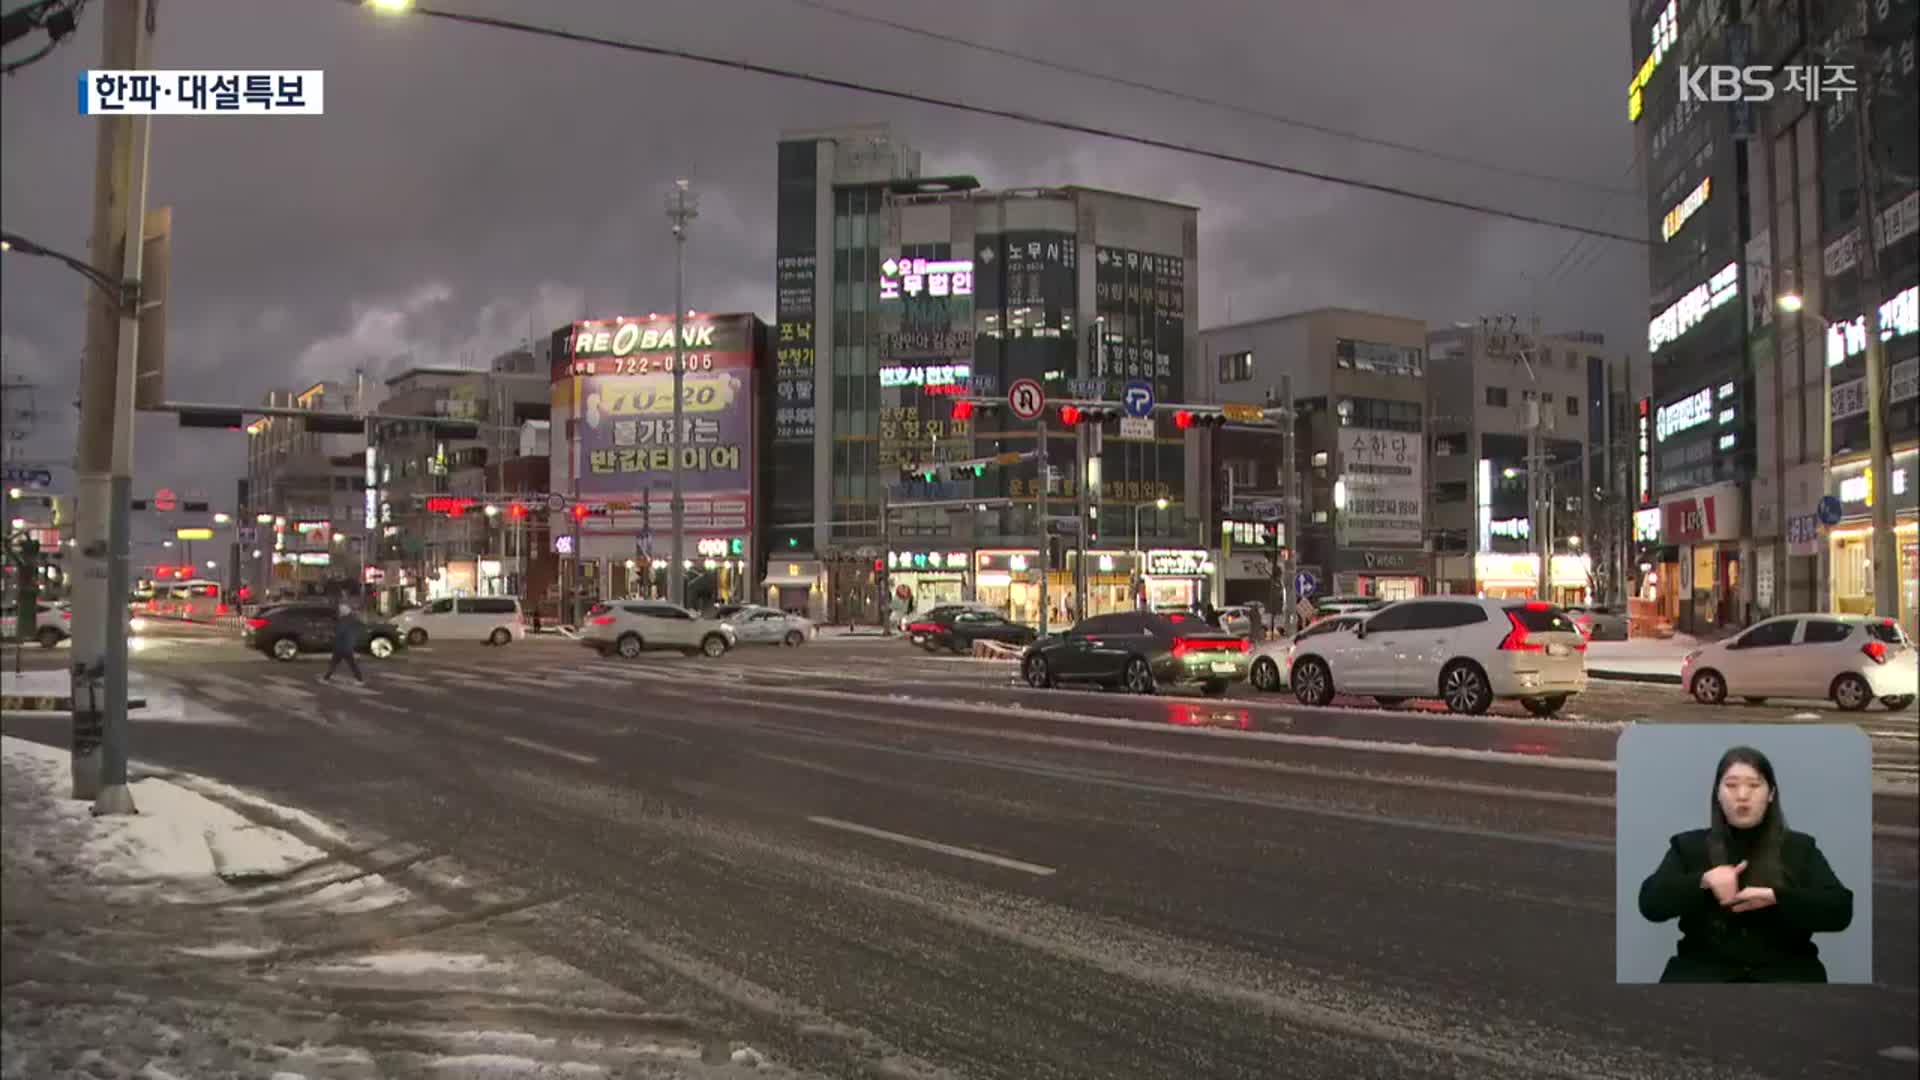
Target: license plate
1558,650
1223,668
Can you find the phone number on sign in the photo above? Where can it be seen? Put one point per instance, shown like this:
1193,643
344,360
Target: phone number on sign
640,365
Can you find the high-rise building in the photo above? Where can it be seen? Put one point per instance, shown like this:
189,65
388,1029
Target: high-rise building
310,488
899,292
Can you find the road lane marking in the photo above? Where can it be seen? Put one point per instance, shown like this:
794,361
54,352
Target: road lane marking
934,845
530,744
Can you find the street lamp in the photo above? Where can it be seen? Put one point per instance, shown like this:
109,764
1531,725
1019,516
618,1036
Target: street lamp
1791,302
222,518
1158,504
263,519
391,7
166,543
682,208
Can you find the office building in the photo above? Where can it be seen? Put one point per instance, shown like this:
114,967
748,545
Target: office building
305,499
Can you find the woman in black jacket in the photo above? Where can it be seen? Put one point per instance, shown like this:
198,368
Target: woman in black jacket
1749,893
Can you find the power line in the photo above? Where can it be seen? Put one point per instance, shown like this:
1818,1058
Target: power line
583,38
1199,99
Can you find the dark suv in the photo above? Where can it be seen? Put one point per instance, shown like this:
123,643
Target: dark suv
288,630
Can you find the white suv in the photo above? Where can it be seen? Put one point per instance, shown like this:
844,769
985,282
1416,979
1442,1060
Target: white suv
630,627
1466,651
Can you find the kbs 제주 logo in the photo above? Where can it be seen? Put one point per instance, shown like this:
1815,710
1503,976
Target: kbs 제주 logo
202,93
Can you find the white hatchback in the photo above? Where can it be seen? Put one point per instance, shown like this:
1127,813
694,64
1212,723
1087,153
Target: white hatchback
1847,659
1467,651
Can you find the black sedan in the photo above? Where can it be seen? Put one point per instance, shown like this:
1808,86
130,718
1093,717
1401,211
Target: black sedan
1139,651
286,631
957,628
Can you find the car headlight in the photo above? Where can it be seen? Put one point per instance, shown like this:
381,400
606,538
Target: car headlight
138,625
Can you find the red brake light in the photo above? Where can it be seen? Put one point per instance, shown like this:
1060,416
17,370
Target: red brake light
220,609
67,615
603,620
1876,651
923,628
257,623
1516,639
1539,605
1183,646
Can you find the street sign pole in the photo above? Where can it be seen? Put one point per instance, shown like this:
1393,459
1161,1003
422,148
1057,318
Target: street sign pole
1046,528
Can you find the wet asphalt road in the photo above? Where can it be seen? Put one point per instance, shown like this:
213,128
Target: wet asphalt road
877,863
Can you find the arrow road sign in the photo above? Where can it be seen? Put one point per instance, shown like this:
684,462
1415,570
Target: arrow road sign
1304,584
1138,399
1026,398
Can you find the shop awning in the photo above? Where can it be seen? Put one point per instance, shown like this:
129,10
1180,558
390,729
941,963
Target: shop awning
798,573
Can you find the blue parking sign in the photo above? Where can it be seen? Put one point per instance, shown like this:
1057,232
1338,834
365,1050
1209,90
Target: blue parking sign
1138,399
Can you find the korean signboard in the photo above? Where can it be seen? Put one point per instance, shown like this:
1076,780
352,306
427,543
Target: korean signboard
926,310
1172,562
1384,495
1710,514
1143,297
793,415
625,421
1855,486
1643,453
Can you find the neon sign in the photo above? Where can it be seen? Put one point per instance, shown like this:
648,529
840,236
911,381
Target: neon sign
1677,217
1666,30
1689,412
1690,310
919,277
1644,466
1898,317
955,375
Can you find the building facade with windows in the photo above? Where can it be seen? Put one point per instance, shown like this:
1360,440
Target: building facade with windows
310,488
1359,385
1489,384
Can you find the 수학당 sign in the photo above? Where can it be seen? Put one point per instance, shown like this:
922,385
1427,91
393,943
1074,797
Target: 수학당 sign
1381,474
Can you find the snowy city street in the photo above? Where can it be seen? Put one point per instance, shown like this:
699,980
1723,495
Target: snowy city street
854,858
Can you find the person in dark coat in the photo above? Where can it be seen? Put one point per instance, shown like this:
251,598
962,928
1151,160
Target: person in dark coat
346,638
1749,893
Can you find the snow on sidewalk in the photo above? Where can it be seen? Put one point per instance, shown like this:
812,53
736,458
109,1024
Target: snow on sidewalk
162,700
1641,656
178,834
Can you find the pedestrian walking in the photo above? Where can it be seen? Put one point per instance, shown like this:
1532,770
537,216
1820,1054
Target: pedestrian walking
346,638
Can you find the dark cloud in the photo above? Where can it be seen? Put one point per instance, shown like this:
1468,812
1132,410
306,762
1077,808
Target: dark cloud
467,184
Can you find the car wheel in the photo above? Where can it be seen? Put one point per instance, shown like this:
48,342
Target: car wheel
1265,675
1545,706
1709,687
1754,700
380,647
1312,682
1139,676
1897,701
1387,702
1464,687
416,637
713,645
1039,676
48,638
1851,692
1214,689
795,638
500,636
285,649
629,646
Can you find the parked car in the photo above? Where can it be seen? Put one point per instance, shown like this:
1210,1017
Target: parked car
957,628
1600,622
1140,651
631,627
495,620
1328,606
285,631
1847,659
1271,669
756,625
52,622
1466,651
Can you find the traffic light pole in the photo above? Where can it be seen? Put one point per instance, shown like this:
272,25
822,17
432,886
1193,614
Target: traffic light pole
1046,523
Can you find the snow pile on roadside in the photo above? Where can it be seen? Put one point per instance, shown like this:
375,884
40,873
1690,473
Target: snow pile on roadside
50,682
1641,656
177,834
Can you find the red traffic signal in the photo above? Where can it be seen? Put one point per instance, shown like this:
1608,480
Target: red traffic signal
963,410
580,511
517,511
1183,419
879,566
1069,414
1186,419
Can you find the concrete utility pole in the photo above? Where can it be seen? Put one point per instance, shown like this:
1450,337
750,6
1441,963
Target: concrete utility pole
105,451
1886,551
682,208
1290,466
1046,523
1083,458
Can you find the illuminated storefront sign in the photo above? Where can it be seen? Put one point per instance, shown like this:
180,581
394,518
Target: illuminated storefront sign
927,560
934,375
1643,466
1856,491
372,499
1899,317
1677,217
193,534
1646,525
308,528
1699,302
920,277
1687,413
1165,562
1513,528
1666,30
609,346
720,547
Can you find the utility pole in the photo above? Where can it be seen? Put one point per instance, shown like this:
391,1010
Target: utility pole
682,207
886,555
105,451
1046,523
1886,552
1289,465
1083,456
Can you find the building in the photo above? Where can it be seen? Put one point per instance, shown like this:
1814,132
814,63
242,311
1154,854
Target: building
428,545
1702,394
1809,365
1492,390
611,382
305,497
1359,384
1042,283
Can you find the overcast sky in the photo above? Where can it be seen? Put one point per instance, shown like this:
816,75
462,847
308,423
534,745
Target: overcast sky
468,184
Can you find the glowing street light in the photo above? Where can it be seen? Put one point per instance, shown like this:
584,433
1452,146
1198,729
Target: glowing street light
263,519
1791,302
391,7
222,518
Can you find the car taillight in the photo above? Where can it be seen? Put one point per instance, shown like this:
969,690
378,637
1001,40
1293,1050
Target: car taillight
1516,639
923,628
1876,651
220,609
603,620
1183,646
67,615
256,624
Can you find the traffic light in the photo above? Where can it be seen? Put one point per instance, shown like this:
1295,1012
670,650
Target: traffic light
1069,414
516,511
334,424
1187,419
793,542
214,418
963,410
1088,414
580,511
